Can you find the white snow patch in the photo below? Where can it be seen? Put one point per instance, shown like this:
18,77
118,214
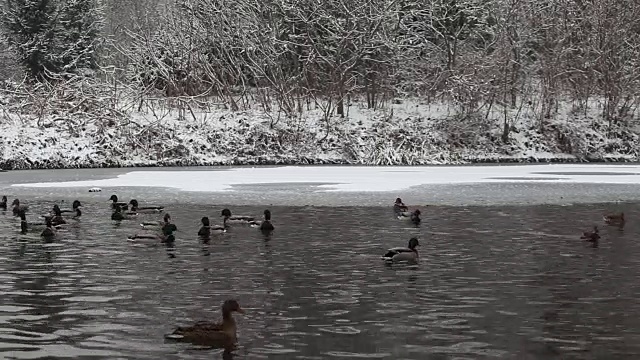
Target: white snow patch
362,178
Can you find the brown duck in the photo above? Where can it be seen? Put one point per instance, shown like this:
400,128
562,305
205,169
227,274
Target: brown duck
220,335
614,219
592,236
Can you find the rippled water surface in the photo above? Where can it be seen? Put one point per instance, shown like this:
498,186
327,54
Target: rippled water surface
493,282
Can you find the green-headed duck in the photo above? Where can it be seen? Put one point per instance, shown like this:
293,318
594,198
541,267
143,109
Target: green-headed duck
48,233
135,207
237,219
3,203
75,209
119,215
205,230
17,207
400,209
410,253
614,219
57,218
220,335
266,225
166,232
117,204
591,236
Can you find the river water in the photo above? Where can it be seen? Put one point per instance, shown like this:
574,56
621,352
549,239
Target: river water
493,282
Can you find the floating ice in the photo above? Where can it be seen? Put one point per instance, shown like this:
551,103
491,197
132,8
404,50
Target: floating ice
361,178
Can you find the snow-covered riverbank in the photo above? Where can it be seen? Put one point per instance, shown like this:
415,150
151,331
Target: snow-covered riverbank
80,135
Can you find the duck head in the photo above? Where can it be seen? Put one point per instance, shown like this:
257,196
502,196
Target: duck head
133,202
56,210
226,213
413,243
167,218
267,215
398,201
113,198
15,202
417,212
76,204
205,221
230,306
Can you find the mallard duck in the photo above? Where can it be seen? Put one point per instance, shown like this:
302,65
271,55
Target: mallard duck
57,218
166,232
266,225
17,207
3,203
614,219
591,236
410,253
237,219
48,233
118,215
400,209
117,204
145,209
221,335
74,208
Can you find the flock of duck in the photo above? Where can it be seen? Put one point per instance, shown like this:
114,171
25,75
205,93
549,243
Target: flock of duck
219,334
222,334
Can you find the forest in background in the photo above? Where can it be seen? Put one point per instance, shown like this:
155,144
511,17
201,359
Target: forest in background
501,64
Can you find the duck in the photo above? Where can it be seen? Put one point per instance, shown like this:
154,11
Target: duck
220,335
205,230
75,209
17,207
118,215
57,218
145,209
117,204
410,253
237,219
147,224
48,233
591,236
266,225
400,209
25,226
614,219
165,236
3,203
415,217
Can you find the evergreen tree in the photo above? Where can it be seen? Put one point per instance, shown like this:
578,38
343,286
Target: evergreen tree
31,32
79,26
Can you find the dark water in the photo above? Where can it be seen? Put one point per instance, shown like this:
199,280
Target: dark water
493,282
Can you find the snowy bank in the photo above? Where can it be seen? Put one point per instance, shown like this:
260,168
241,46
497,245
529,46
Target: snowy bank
361,178
53,128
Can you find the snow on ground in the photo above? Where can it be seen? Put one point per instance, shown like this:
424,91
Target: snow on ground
69,131
361,178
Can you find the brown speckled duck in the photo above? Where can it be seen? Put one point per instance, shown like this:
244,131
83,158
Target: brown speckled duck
614,219
220,335
591,235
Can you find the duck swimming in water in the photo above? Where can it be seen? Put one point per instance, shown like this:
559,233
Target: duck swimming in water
400,209
266,225
614,219
410,253
237,219
115,204
3,203
48,233
75,209
118,215
591,236
166,232
144,209
220,335
17,207
57,218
